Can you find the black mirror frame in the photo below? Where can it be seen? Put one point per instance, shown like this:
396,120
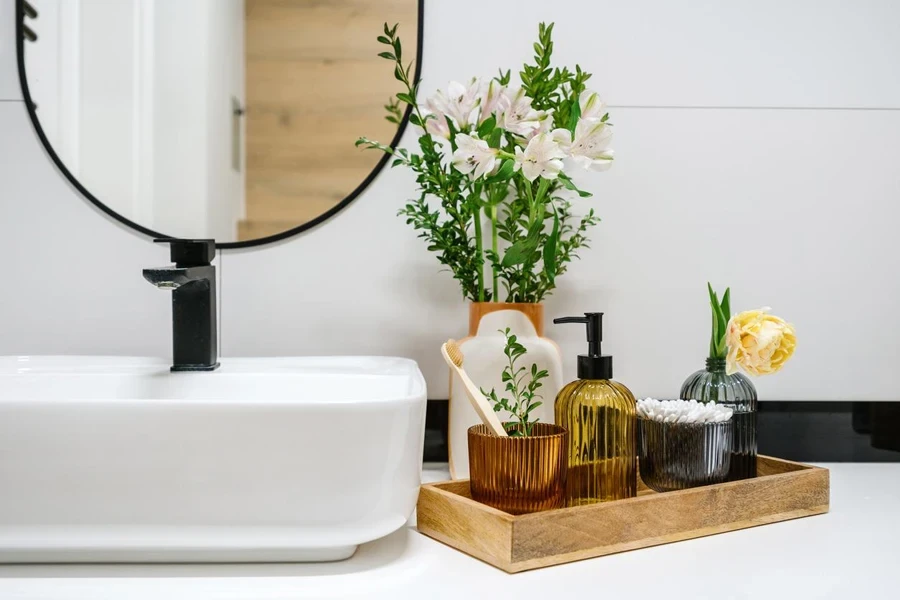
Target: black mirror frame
382,162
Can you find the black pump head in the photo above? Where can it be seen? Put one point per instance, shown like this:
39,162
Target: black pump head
591,365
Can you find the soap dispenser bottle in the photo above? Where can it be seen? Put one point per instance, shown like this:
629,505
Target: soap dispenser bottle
601,417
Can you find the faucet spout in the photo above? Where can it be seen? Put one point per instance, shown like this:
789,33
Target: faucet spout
172,278
192,281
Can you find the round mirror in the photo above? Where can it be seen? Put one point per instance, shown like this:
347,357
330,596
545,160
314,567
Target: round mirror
225,119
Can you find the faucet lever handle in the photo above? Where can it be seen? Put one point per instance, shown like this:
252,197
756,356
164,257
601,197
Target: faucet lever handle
190,253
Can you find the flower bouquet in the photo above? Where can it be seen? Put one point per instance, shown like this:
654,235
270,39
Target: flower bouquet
494,170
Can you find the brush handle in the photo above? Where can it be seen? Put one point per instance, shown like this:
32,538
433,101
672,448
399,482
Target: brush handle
479,402
482,407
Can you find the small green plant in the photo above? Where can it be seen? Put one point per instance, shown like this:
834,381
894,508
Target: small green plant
522,384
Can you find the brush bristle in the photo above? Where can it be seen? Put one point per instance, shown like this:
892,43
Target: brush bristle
454,352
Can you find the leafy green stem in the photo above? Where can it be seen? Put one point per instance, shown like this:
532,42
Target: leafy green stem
479,246
495,249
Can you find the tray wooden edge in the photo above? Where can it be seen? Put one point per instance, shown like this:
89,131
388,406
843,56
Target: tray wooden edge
494,542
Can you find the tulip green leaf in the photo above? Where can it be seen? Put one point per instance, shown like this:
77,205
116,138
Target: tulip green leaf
726,304
717,347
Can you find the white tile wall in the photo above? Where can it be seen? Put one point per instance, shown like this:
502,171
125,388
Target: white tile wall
793,208
808,53
71,277
755,199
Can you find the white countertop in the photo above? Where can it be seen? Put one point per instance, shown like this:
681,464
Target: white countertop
849,553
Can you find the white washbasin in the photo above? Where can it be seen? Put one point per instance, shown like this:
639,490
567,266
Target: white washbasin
109,459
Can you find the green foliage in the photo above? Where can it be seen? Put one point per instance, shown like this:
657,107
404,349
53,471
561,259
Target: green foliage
401,74
553,89
521,385
533,233
447,229
394,113
524,279
721,314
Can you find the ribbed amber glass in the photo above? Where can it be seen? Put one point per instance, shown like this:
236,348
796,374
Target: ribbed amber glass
519,474
601,417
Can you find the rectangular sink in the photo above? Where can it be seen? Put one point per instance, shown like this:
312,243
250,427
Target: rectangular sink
109,459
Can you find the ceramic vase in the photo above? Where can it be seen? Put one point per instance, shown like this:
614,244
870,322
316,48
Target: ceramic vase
483,360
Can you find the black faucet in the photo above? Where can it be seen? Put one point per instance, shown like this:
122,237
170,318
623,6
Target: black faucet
193,283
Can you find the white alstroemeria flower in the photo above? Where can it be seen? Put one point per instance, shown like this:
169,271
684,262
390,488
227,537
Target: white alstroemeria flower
562,137
459,102
437,125
545,124
491,100
516,114
590,145
473,155
542,157
592,107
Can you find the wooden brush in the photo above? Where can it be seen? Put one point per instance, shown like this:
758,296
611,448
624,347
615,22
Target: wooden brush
454,357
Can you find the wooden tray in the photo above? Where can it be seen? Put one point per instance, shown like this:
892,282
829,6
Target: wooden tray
783,490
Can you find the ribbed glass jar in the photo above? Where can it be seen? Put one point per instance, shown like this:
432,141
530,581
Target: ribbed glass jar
519,474
601,417
735,391
676,456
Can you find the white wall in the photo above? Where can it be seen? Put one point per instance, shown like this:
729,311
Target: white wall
225,73
109,104
44,58
57,90
737,162
9,79
180,71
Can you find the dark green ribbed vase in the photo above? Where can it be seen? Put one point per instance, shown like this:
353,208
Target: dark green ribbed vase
735,391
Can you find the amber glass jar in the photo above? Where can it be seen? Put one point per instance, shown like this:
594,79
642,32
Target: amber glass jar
601,416
519,474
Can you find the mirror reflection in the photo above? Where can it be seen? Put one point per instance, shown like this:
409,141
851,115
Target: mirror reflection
226,119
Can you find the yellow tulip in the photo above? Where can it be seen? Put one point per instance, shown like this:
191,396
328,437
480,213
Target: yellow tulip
759,343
